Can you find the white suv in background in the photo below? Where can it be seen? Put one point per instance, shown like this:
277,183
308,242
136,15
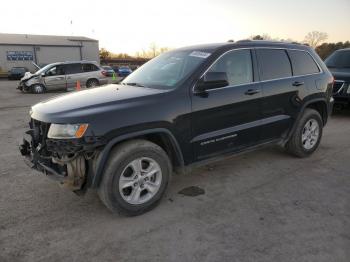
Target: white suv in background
64,76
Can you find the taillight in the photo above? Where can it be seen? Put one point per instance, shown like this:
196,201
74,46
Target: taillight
104,73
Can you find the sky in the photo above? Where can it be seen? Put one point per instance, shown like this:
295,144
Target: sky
128,26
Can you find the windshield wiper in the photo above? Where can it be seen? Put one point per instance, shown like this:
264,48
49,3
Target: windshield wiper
133,84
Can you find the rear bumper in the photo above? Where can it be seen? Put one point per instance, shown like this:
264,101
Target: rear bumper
14,77
342,99
342,94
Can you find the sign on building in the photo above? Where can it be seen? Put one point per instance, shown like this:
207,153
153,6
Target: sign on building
19,55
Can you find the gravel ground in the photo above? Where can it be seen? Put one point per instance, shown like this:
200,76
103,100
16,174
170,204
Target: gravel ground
260,206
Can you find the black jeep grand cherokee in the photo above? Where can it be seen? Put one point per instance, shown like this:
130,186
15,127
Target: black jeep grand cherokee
339,65
182,108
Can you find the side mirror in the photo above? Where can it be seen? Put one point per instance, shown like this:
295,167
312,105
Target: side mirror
212,80
43,74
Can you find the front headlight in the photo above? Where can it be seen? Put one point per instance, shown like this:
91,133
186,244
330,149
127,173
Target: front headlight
64,131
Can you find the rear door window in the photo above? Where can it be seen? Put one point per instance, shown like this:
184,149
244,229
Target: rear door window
302,63
73,69
273,63
89,68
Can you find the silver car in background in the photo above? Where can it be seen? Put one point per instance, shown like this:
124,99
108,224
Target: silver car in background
64,76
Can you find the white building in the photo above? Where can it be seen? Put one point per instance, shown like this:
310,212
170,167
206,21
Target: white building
22,50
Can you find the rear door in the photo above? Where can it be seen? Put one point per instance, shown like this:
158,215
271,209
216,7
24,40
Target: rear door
228,118
73,74
286,77
55,78
279,93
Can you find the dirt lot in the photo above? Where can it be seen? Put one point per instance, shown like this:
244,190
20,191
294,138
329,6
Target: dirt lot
260,206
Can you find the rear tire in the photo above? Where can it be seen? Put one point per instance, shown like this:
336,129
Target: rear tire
135,177
92,83
307,135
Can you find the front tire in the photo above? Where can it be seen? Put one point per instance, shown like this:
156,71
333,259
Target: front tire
307,135
135,178
37,89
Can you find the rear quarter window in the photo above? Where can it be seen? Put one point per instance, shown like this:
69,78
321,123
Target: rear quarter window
302,63
273,64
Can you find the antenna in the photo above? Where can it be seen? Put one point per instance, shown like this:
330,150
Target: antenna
71,27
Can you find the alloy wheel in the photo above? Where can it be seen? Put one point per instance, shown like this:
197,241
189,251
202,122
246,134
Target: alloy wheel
140,180
38,89
310,134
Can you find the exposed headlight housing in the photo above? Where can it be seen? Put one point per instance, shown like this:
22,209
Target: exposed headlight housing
67,131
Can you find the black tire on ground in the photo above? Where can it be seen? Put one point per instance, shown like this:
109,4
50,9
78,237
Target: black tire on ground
37,89
92,83
119,159
295,144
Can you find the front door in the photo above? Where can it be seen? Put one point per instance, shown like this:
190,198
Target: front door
228,118
55,78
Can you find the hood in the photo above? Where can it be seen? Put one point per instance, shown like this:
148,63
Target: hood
341,73
80,106
28,76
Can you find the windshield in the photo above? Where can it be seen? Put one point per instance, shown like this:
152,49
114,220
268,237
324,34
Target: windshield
166,70
42,70
339,59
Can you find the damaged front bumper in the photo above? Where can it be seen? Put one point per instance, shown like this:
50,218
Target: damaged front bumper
23,86
71,162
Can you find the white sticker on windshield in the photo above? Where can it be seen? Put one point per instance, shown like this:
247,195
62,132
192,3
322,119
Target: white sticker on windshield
200,54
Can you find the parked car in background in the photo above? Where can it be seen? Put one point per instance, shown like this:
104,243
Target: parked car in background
17,73
116,69
181,109
64,76
109,70
124,71
339,65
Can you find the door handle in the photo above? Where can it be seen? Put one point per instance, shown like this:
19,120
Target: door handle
297,83
59,78
252,92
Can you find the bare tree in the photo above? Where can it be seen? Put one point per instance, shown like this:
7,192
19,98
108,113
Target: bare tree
163,50
315,38
154,49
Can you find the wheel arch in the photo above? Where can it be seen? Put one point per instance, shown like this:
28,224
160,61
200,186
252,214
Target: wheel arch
160,136
318,104
321,107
